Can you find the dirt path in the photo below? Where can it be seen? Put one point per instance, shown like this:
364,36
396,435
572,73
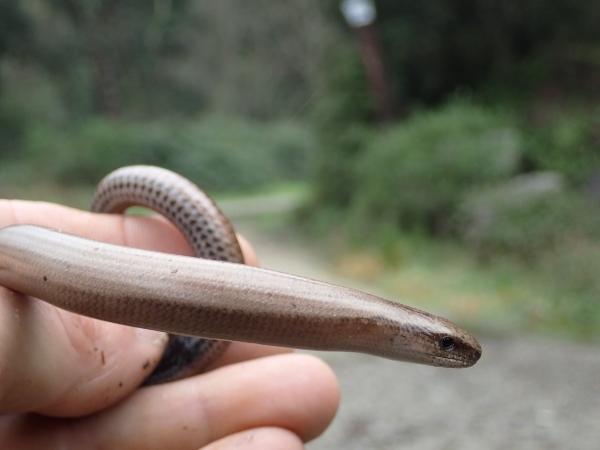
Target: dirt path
523,394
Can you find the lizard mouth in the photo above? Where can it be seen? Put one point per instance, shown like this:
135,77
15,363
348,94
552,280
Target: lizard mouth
458,360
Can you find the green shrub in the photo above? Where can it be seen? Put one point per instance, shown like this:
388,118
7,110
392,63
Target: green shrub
341,119
526,216
226,154
569,144
83,154
415,174
12,129
216,153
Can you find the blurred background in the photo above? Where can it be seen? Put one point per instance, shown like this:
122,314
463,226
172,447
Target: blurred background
445,153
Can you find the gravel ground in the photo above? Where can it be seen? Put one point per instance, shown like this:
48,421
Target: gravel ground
523,393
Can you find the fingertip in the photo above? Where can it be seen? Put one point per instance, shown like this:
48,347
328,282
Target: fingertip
323,399
276,402
259,439
306,390
250,257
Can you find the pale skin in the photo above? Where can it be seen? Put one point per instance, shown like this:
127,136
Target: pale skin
70,382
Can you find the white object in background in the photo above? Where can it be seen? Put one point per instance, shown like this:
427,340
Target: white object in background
358,13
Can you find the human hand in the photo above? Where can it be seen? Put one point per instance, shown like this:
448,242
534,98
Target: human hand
68,381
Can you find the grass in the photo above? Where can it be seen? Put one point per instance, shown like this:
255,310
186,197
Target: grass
504,296
21,182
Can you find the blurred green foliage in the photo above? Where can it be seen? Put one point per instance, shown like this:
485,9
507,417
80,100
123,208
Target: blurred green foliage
493,96
473,171
514,48
86,87
433,172
485,178
525,216
415,174
569,143
215,152
146,60
341,120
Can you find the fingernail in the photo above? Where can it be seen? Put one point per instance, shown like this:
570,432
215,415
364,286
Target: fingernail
153,336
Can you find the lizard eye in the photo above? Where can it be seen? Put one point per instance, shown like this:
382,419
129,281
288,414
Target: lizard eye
447,343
